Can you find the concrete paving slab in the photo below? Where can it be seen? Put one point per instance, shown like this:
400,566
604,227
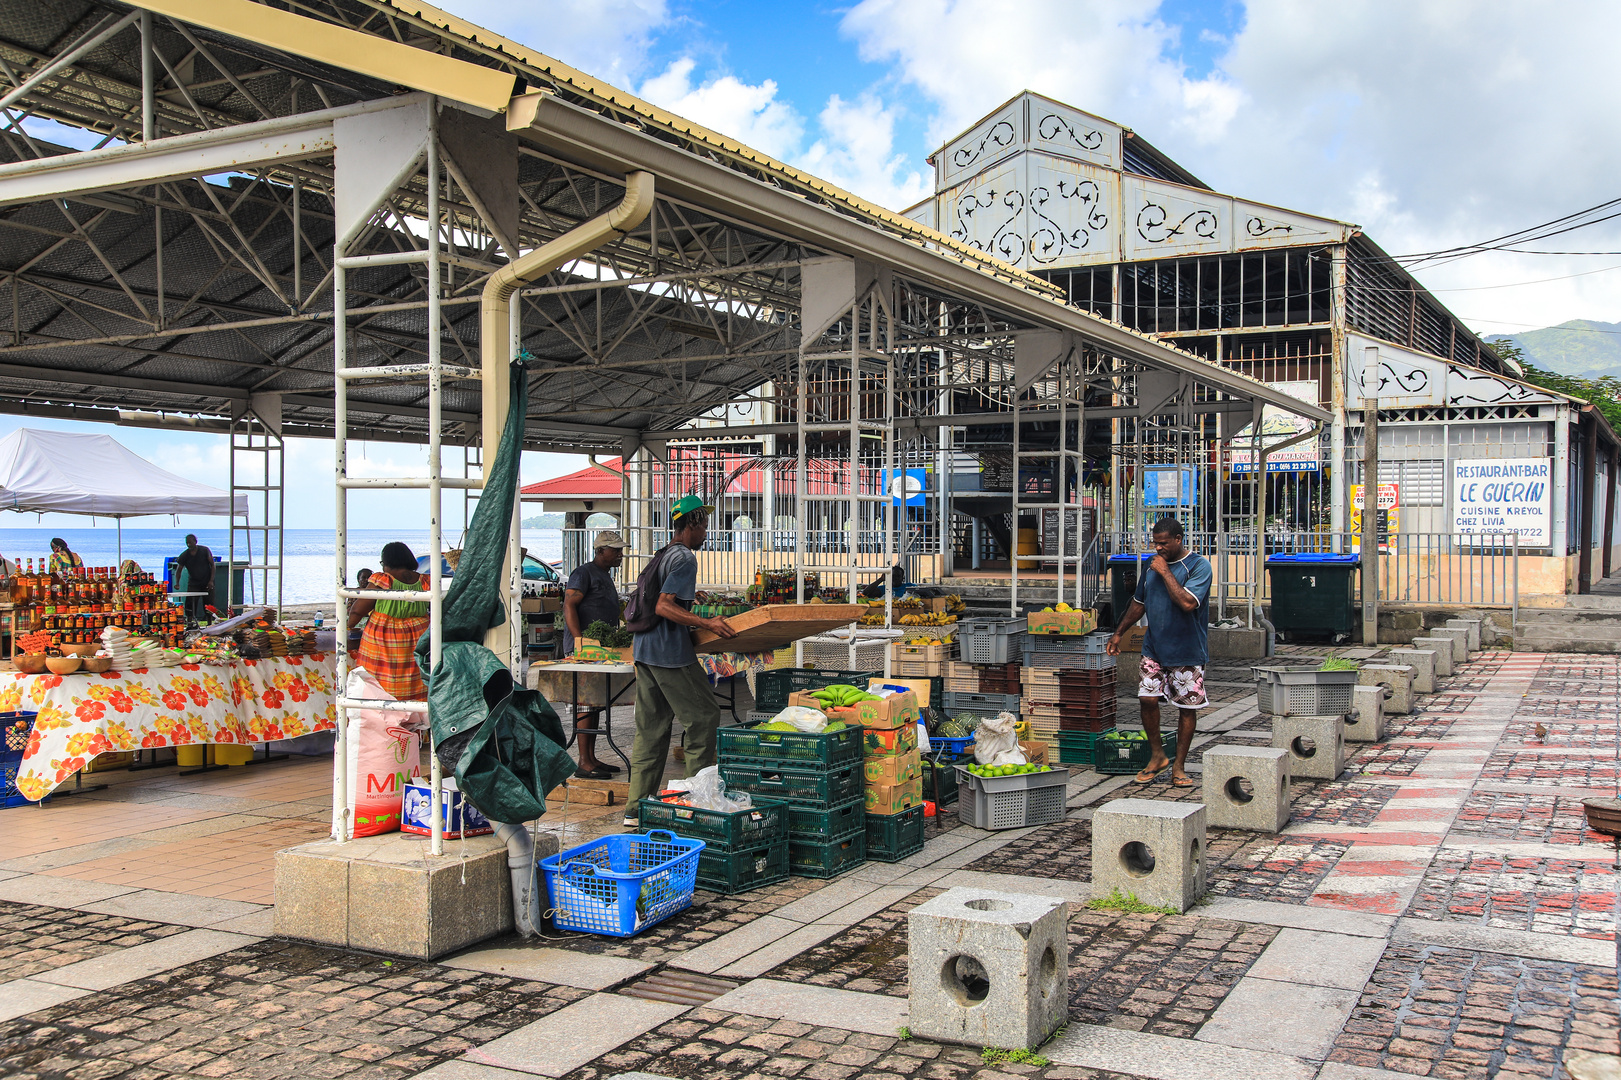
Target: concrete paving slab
144,960
1333,920
821,1006
70,854
1281,1017
1527,943
50,891
829,898
871,904
179,909
1076,892
561,967
1514,850
575,1034
261,923
1314,958
470,1070
941,846
4,874
780,951
19,997
747,939
1161,1057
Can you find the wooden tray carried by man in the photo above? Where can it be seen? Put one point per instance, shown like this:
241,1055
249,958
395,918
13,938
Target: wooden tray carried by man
766,629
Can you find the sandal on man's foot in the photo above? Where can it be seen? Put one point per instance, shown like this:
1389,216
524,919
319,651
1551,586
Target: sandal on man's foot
1148,776
1181,781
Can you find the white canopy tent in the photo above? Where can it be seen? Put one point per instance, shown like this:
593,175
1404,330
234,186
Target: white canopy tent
62,472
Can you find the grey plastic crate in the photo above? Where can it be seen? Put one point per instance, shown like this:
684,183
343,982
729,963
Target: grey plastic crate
1303,691
1011,802
958,701
1051,652
991,641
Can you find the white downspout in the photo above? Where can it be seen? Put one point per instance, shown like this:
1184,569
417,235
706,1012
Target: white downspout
495,345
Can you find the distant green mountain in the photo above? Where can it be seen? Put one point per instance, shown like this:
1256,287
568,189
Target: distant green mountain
1580,347
543,521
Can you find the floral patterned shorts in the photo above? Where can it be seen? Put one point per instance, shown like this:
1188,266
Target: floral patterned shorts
1181,686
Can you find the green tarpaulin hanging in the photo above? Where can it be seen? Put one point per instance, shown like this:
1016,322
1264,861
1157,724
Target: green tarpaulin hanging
503,743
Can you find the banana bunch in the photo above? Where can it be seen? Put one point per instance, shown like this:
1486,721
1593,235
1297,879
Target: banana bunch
928,618
840,695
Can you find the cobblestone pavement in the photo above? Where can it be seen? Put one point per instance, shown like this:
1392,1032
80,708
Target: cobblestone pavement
1447,877
1471,1015
35,939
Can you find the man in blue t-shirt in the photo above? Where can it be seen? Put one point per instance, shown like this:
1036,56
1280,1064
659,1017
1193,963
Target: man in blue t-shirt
1175,593
669,680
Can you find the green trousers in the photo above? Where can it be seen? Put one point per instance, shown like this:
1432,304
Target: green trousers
662,694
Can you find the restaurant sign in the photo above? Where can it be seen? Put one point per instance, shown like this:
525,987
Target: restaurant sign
1504,495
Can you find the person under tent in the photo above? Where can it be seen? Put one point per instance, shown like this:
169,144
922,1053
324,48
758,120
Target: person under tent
197,564
387,646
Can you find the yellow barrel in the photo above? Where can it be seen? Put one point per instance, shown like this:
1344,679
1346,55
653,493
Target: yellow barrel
191,757
1029,544
232,754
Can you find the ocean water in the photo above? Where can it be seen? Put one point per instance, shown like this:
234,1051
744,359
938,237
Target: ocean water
309,560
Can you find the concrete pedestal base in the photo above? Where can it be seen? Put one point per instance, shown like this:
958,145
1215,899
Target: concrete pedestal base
1473,626
1241,643
1460,643
1264,807
386,894
1316,746
1151,850
1422,661
1397,682
1442,647
1366,720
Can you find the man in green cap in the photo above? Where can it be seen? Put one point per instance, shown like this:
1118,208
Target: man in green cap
670,682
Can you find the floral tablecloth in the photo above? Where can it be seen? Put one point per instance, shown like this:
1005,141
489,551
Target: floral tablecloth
80,716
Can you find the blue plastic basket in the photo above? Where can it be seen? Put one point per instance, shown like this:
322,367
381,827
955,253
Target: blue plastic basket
620,885
15,728
957,745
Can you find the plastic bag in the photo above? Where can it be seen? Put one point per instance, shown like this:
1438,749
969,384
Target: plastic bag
705,789
996,743
803,718
384,756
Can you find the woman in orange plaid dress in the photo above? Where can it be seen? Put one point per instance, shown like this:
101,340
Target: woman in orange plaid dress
387,648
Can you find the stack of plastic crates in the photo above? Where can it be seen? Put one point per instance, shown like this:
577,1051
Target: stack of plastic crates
1070,683
15,729
920,661
774,686
743,849
620,885
817,777
893,837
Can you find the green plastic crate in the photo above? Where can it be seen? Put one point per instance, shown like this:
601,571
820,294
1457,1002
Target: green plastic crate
892,837
1078,747
946,774
773,686
728,872
812,825
748,743
1117,755
829,859
823,788
763,823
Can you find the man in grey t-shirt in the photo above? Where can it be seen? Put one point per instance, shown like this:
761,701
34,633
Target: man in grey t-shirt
669,680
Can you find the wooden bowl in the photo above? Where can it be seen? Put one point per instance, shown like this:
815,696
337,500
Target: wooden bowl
63,665
95,665
29,663
1603,815
80,650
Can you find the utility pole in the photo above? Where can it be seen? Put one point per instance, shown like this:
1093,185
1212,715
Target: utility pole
1371,532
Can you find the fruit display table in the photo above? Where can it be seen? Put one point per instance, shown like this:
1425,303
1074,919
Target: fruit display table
246,702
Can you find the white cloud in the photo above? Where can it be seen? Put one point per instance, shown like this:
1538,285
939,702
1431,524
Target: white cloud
608,39
857,152
1428,122
751,114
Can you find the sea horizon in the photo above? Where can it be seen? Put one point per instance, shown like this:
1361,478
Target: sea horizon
309,556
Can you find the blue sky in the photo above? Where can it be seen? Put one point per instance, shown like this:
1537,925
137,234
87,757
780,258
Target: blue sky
1427,122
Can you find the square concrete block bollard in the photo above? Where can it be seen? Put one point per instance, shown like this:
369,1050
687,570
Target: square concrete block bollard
1151,850
1366,722
1397,680
1443,648
1422,661
1460,643
1316,745
988,968
1246,787
1471,625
